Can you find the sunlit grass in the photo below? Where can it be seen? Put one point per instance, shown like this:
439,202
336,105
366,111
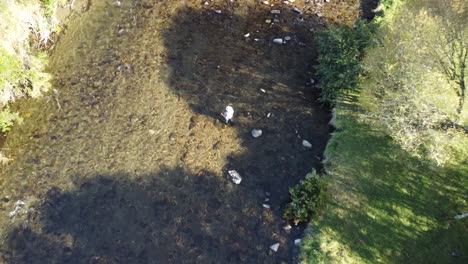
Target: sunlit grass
386,206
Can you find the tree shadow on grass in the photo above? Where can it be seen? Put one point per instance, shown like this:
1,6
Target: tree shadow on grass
391,206
168,217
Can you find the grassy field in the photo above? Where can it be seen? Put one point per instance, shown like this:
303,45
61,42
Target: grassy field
386,206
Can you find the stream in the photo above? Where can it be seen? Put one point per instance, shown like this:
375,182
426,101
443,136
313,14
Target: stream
126,159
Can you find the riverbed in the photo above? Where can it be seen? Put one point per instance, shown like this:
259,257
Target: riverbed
125,160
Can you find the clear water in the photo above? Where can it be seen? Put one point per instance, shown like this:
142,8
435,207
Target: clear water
126,161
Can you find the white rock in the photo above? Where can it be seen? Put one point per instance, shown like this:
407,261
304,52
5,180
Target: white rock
247,35
265,2
458,217
218,11
287,227
228,113
297,242
20,203
287,38
268,21
268,115
262,90
306,144
275,12
19,208
267,206
278,40
256,132
256,39
235,176
274,247
152,132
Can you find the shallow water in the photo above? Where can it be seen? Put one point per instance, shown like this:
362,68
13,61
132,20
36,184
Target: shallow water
126,161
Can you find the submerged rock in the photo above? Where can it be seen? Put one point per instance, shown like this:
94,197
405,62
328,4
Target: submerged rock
278,40
19,208
256,133
306,144
275,12
235,176
297,241
297,10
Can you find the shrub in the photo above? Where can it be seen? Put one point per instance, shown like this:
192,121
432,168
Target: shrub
7,119
307,198
340,51
26,26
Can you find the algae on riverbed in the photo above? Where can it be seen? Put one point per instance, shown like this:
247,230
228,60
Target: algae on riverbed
127,161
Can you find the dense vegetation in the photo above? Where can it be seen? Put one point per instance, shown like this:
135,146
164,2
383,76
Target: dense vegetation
308,198
339,63
26,28
396,165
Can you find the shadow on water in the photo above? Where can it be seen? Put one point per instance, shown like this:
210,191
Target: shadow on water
392,209
176,215
162,218
213,64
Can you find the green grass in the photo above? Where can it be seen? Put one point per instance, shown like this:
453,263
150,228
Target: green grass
385,205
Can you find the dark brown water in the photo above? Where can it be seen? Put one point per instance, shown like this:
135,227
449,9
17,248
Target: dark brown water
125,162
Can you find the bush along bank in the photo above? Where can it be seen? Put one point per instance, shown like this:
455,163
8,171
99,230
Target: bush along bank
340,49
396,179
307,199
